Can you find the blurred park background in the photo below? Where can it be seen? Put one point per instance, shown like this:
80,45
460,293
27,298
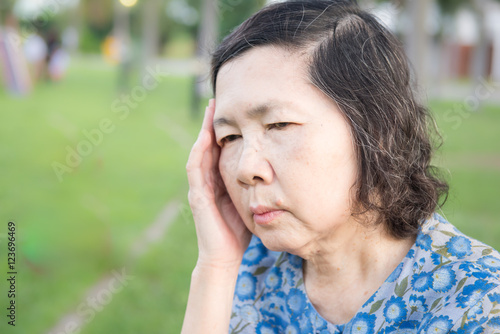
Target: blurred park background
100,102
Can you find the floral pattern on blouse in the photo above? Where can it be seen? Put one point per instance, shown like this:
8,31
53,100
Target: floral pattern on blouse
447,283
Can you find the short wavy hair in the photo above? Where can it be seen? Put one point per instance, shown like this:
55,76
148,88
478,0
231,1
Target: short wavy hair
361,65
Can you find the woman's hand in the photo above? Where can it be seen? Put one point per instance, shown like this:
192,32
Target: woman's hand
222,235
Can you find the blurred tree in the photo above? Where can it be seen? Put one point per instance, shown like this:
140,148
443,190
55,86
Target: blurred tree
207,36
183,19
449,8
122,42
479,65
150,30
5,9
218,18
208,28
479,59
98,23
233,12
417,36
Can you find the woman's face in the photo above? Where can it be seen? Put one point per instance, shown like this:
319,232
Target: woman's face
287,156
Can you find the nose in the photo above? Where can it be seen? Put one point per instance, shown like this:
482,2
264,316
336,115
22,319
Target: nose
253,167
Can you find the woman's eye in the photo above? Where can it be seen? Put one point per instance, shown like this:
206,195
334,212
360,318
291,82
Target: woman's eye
228,139
278,126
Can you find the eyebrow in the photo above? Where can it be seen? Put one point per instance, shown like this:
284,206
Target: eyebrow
255,112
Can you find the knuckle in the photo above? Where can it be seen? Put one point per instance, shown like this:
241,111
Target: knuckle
190,196
197,198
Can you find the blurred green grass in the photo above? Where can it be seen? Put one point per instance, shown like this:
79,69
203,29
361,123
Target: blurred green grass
73,233
470,159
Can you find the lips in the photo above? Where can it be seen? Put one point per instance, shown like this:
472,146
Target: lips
264,216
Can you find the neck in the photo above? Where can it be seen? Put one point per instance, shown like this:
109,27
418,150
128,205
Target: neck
350,266
355,250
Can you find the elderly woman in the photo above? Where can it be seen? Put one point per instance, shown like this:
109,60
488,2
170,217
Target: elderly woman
313,194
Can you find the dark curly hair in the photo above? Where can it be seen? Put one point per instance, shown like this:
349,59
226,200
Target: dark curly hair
360,65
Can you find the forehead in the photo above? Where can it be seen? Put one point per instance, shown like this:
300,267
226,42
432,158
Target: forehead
263,76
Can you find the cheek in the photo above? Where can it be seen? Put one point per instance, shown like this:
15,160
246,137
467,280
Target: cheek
321,171
227,169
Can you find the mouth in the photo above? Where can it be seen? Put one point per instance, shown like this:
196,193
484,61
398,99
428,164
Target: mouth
265,216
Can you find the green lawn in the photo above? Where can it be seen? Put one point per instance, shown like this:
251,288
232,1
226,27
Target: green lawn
470,157
73,233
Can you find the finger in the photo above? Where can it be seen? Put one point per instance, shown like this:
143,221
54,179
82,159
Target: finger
209,116
201,162
211,158
215,147
200,143
216,150
196,158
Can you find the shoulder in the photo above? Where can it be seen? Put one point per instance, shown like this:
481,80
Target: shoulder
457,276
443,244
447,283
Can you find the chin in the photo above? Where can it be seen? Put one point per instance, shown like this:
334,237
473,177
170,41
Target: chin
278,243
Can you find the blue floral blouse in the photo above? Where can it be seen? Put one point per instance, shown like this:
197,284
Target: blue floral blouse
447,283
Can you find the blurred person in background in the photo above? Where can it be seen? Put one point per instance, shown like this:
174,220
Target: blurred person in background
70,39
35,50
312,191
14,67
57,59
